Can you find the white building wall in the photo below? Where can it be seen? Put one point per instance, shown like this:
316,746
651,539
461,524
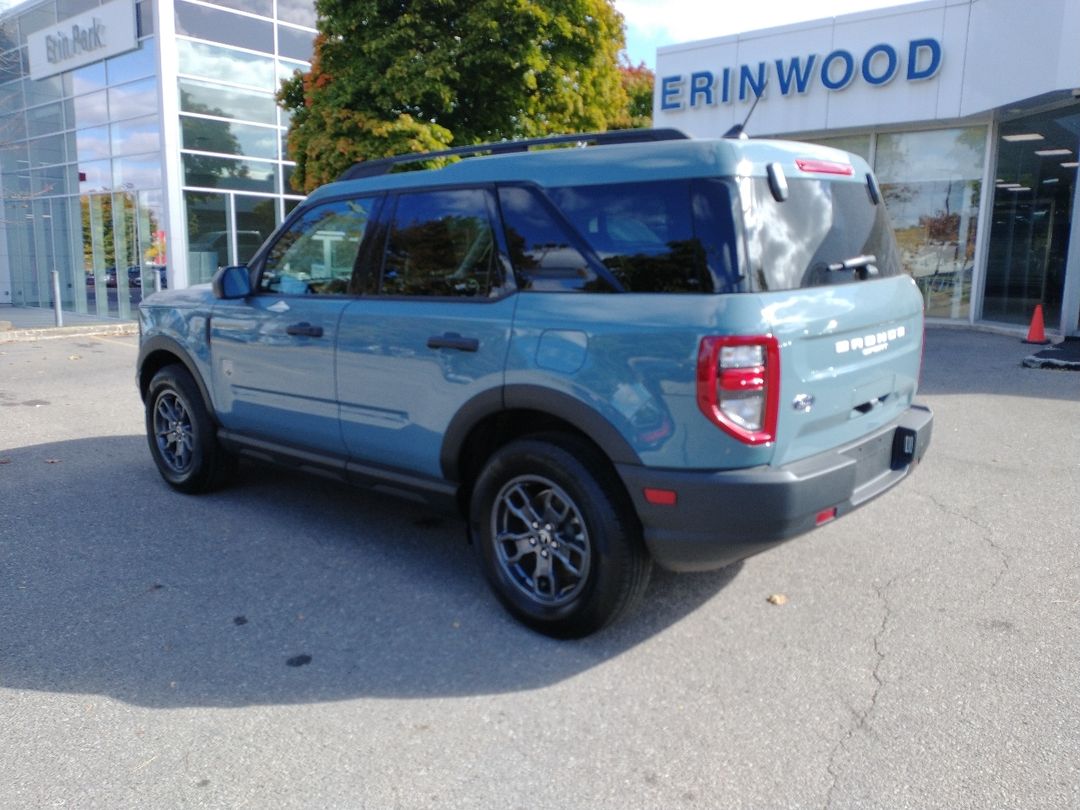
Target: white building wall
993,53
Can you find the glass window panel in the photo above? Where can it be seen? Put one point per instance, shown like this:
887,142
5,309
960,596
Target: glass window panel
94,175
256,219
11,96
47,150
440,244
208,235
39,91
317,254
91,109
133,99
55,180
36,18
241,175
264,8
541,251
1030,228
136,135
46,119
286,69
295,43
856,144
88,78
931,181
14,158
206,135
133,64
141,171
299,12
219,62
152,237
227,102
225,27
92,143
12,127
13,65
69,8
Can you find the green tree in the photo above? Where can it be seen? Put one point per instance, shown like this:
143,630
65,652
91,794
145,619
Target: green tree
638,83
394,76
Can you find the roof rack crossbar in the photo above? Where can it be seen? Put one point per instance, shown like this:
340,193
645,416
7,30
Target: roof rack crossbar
380,166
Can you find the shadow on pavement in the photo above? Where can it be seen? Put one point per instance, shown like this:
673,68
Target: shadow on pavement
279,589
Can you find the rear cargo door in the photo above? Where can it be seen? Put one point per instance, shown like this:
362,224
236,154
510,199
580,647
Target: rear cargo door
826,271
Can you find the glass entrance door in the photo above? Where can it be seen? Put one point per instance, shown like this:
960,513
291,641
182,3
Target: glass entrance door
1032,216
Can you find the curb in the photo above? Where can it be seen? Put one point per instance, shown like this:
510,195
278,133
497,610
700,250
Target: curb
56,332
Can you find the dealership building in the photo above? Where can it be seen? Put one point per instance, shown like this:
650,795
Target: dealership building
969,113
140,143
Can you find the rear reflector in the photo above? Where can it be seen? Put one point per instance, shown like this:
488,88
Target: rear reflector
661,497
824,167
825,515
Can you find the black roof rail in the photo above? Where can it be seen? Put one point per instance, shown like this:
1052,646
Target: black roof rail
379,166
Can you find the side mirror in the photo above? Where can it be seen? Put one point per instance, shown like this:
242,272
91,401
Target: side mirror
231,282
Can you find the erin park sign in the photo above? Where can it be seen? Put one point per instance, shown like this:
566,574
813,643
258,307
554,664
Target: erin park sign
881,64
89,37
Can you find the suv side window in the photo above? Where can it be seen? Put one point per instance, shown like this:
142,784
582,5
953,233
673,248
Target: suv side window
441,243
316,254
541,250
667,236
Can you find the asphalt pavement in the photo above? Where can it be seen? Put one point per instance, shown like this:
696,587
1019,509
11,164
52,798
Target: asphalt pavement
287,642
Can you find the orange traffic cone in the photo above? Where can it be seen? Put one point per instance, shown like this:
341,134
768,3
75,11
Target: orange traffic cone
1036,332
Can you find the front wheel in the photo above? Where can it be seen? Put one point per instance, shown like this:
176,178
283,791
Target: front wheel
557,537
181,433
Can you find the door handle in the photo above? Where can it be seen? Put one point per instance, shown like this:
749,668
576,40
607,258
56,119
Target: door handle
452,340
305,329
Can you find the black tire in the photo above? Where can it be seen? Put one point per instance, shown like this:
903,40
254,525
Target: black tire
181,434
570,559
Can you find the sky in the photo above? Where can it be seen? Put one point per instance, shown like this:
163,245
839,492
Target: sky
653,23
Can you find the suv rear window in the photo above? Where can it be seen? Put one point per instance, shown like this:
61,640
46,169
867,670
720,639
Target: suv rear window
670,236
792,243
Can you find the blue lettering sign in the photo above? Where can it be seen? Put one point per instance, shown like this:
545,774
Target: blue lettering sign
701,84
794,73
671,93
845,78
725,94
915,49
747,78
892,63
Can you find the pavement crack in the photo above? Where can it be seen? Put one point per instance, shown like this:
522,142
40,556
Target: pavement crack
987,536
860,720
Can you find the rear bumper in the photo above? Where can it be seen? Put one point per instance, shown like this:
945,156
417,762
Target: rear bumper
724,516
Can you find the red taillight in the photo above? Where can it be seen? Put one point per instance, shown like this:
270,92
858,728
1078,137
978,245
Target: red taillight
824,166
738,385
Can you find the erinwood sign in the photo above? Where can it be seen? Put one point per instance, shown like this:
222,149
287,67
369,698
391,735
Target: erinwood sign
89,37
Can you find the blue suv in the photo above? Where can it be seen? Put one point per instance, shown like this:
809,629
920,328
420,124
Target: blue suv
649,349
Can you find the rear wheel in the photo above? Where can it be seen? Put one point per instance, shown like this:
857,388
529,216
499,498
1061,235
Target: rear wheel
558,540
181,433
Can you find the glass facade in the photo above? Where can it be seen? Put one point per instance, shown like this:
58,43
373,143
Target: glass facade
83,155
932,182
1034,192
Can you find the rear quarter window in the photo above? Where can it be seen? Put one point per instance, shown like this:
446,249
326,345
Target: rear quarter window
791,244
672,236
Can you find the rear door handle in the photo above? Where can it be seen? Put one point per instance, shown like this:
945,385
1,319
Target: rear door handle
452,340
305,329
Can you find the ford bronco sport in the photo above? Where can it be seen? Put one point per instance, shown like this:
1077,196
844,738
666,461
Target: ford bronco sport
650,349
